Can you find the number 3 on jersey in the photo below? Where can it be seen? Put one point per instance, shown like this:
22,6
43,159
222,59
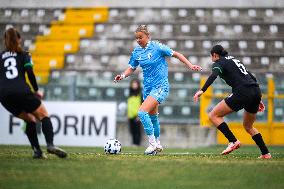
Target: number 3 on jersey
12,71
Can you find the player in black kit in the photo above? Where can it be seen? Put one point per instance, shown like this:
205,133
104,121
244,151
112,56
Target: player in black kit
245,95
17,97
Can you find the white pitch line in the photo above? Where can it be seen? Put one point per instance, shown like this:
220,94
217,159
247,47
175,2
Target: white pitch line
173,153
141,153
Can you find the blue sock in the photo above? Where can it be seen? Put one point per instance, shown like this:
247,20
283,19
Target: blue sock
156,125
146,122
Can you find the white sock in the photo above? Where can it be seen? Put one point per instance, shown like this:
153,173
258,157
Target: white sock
158,140
151,139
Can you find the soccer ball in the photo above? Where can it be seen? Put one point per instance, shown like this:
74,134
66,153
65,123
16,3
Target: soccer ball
112,146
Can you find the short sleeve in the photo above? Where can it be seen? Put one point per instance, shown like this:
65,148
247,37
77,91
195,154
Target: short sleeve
217,68
133,63
28,60
165,50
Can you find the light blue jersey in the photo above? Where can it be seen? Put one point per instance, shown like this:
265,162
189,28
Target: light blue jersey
152,60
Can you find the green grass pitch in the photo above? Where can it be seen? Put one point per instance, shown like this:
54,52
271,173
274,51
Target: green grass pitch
174,168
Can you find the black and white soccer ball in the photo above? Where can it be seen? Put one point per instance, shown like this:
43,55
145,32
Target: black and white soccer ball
112,146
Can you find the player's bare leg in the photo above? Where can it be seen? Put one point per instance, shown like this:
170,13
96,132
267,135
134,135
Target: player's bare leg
41,114
149,105
218,113
27,117
249,119
216,116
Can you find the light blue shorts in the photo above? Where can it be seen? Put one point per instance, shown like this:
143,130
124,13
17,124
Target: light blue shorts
160,94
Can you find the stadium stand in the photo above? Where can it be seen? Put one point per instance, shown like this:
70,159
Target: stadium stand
78,51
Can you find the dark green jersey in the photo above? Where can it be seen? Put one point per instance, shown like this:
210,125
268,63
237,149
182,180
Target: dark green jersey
12,71
232,71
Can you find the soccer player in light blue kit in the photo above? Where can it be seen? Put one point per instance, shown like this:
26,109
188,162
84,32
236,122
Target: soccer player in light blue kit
150,55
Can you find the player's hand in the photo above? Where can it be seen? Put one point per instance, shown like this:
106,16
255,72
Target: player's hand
195,68
197,95
39,94
261,107
119,77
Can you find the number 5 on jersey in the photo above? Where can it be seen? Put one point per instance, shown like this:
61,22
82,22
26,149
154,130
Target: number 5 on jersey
240,66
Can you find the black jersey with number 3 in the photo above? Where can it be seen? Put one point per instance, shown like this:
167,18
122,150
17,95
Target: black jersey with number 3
233,72
12,72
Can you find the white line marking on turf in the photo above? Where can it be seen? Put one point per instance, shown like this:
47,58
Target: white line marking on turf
142,153
170,153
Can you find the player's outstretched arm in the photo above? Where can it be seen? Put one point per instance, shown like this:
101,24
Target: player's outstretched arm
208,82
182,58
124,74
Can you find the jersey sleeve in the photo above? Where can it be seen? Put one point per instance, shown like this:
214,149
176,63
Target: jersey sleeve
133,63
164,49
28,60
210,80
217,68
28,65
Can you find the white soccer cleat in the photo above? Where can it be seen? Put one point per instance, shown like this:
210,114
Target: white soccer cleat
151,150
231,147
159,147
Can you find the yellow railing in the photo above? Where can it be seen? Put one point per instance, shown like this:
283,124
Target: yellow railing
64,37
272,131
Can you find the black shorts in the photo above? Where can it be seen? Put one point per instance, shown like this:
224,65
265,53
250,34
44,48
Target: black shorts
18,103
247,97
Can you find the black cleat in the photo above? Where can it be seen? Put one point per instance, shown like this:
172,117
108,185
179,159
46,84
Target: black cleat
57,151
39,155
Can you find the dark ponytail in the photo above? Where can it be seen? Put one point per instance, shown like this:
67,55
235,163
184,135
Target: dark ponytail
132,91
218,49
12,40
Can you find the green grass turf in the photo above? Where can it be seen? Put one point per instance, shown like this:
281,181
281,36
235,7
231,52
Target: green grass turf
175,168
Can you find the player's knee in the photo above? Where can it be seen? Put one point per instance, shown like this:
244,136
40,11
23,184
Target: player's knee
27,117
30,119
41,113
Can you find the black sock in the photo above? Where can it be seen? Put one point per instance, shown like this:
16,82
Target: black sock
32,135
223,127
47,130
260,143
